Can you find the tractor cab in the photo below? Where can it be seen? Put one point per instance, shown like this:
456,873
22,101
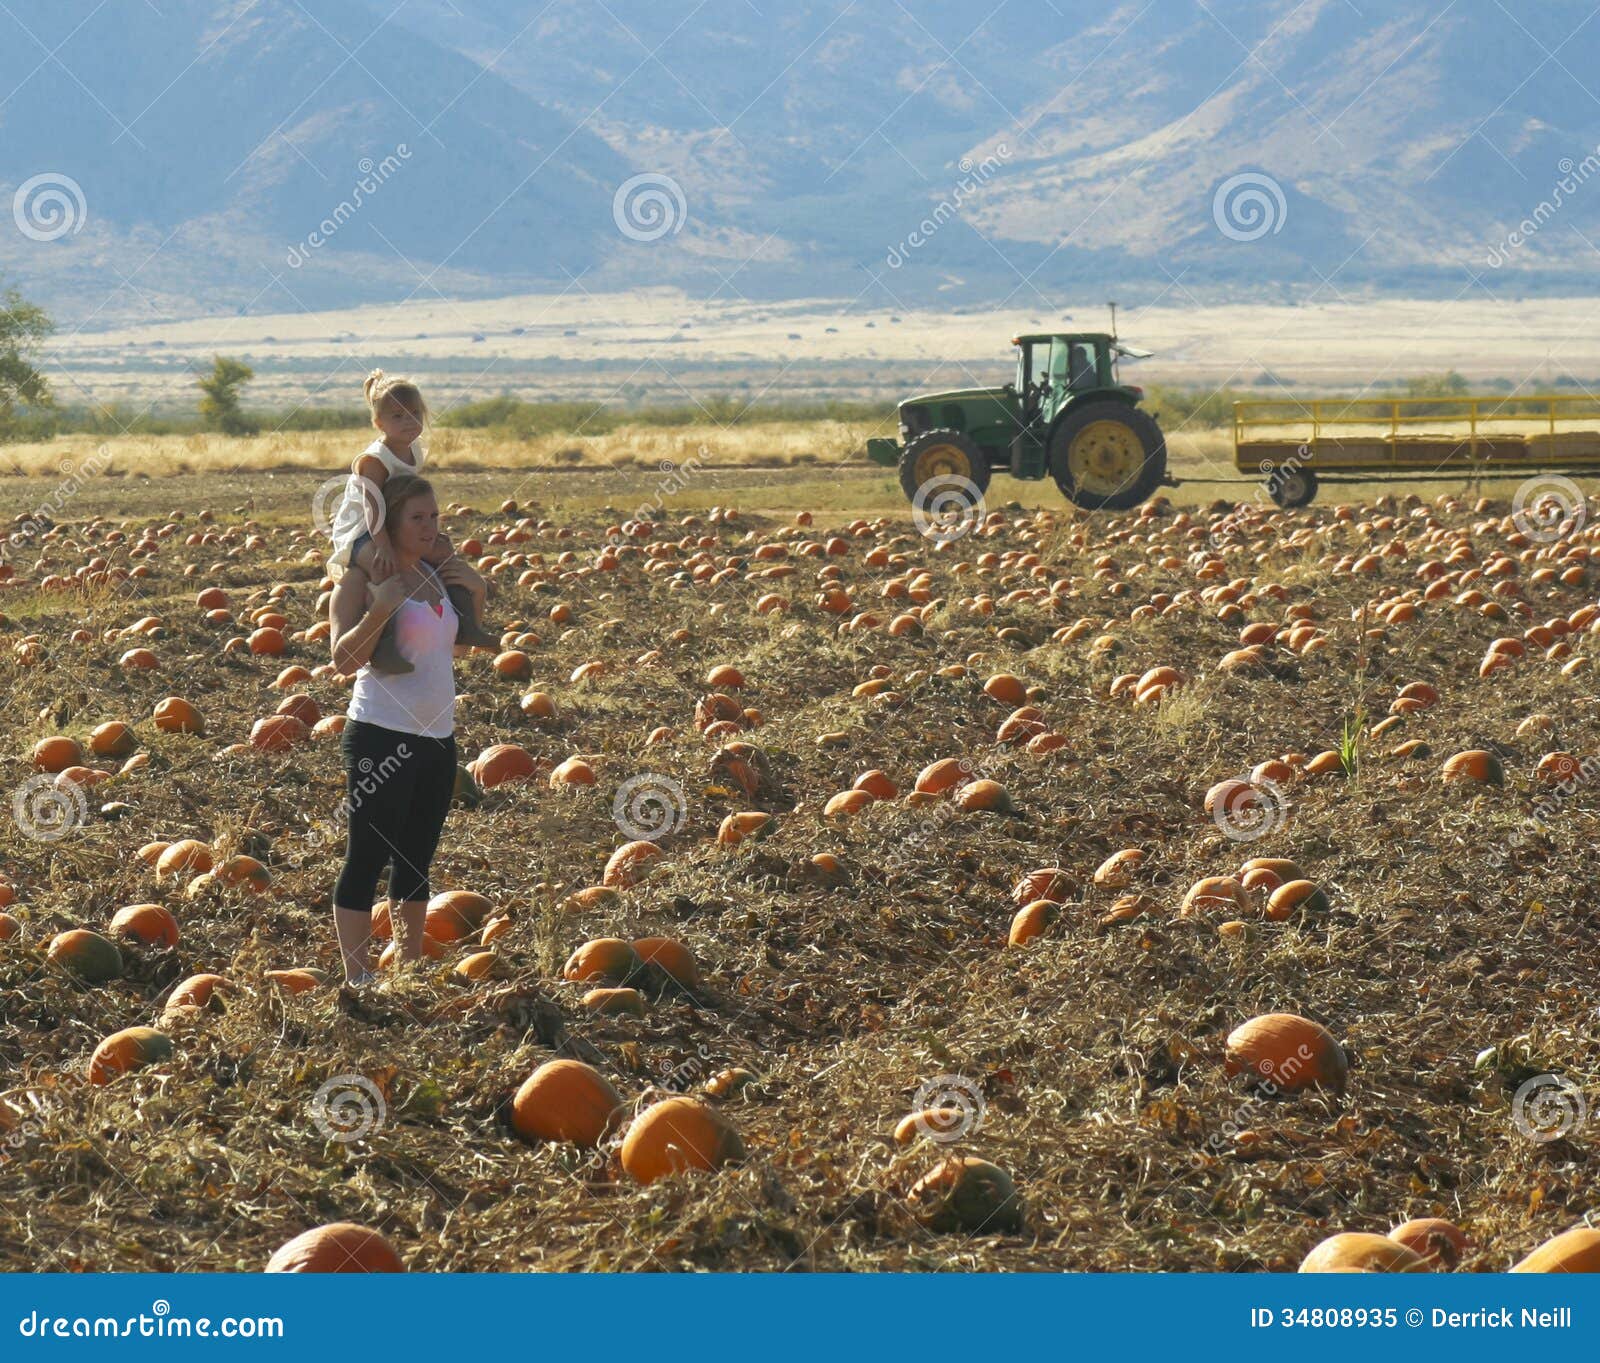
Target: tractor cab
1065,413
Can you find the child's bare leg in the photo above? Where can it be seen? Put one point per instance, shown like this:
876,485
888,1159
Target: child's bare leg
386,655
470,630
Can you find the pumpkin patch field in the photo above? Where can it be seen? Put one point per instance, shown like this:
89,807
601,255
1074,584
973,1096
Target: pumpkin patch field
1191,888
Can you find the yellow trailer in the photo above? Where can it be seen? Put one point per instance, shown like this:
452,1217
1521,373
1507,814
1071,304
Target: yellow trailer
1288,444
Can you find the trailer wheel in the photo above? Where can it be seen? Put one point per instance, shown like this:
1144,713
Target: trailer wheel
1291,486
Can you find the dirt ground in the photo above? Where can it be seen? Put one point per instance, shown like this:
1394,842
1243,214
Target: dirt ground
1453,960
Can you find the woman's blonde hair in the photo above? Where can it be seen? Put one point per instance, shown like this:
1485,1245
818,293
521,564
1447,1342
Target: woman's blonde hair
382,389
399,490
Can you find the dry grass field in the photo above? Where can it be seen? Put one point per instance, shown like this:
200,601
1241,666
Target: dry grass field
853,962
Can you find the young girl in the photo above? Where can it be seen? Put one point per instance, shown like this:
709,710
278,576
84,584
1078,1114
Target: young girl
360,537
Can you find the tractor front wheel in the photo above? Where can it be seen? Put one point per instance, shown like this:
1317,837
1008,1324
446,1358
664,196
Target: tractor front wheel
1107,456
941,468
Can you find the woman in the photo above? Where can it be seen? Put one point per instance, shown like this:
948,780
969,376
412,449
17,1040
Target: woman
399,742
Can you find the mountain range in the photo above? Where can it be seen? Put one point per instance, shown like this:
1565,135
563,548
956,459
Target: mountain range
225,156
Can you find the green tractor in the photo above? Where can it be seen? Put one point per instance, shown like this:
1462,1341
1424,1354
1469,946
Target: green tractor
1066,414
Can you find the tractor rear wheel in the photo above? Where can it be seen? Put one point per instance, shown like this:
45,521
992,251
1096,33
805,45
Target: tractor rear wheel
943,466
1107,456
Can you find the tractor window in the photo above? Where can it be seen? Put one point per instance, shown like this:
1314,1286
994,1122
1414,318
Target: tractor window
1033,361
1058,367
1082,371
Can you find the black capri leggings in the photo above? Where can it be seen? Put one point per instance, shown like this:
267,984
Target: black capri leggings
397,792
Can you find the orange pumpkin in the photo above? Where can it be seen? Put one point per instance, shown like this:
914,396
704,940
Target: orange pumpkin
189,854
479,965
268,640
603,958
671,957
964,1193
1360,1252
88,955
1573,1251
1437,1242
675,1135
614,1002
1287,1050
501,764
572,772
112,739
1214,894
1474,765
1006,689
130,1049
630,864
148,923
1031,920
302,707
735,828
846,803
945,774
56,754
984,796
198,991
244,871
453,915
1116,872
537,705
567,1101
1048,882
297,981
1296,894
340,1247
877,784
175,715
277,733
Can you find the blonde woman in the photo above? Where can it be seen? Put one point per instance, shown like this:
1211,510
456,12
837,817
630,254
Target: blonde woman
399,742
361,535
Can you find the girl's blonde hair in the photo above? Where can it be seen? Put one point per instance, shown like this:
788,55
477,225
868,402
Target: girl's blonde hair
381,389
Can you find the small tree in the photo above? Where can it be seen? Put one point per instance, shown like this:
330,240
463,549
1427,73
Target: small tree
23,326
219,400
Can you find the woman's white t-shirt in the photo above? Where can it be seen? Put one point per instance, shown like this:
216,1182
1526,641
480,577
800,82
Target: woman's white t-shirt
361,511
422,702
